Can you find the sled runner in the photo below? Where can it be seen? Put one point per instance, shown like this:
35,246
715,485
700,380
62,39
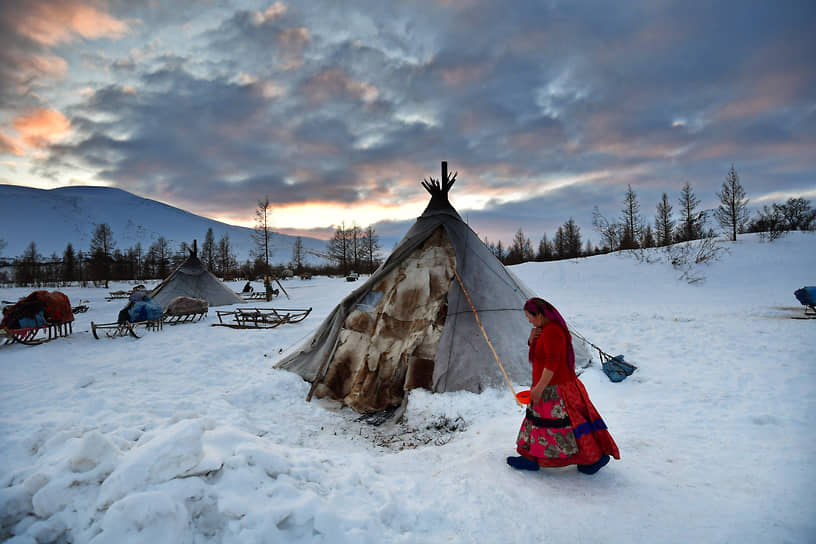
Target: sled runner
28,335
185,310
125,328
259,318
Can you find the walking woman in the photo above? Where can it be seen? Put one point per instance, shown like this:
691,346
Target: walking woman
562,426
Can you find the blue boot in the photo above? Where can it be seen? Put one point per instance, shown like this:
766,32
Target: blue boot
594,467
522,463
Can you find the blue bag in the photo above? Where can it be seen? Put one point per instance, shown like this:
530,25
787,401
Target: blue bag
146,309
617,369
806,295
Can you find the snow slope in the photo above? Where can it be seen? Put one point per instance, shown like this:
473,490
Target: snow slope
189,435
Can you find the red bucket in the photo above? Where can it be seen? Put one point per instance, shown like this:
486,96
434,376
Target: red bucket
523,396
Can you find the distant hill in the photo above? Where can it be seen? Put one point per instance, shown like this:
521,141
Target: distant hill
54,218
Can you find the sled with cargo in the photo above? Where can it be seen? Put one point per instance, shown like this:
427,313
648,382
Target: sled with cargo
40,317
141,311
185,310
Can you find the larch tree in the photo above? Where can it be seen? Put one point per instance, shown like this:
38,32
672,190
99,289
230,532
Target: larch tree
371,248
339,248
68,264
664,224
208,250
572,239
225,257
631,221
297,255
691,221
102,245
262,234
732,213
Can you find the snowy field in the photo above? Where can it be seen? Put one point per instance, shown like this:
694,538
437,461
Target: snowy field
189,435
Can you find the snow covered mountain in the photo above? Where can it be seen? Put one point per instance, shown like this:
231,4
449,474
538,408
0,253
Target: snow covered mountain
54,218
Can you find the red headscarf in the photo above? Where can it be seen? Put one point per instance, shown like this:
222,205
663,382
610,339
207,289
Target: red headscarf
538,306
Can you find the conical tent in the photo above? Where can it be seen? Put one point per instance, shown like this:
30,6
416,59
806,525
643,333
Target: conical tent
192,279
411,324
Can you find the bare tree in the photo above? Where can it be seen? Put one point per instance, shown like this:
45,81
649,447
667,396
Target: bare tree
664,225
102,245
797,214
610,232
647,239
371,248
263,231
631,221
27,272
572,239
691,221
159,254
520,250
68,264
353,234
545,250
297,255
732,212
208,250
225,258
339,248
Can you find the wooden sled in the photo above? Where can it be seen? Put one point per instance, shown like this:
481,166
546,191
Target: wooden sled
260,318
176,319
113,330
28,335
117,295
258,295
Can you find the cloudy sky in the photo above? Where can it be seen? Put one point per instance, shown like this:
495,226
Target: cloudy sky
337,109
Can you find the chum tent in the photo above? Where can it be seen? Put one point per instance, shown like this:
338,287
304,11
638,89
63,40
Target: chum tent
411,324
192,279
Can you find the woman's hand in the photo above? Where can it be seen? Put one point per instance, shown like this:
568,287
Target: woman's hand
534,333
538,389
535,394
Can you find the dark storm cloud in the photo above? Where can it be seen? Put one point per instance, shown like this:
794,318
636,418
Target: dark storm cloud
348,102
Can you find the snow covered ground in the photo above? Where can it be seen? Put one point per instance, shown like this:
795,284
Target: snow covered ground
189,435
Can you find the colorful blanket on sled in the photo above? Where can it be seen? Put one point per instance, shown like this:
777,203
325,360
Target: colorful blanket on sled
38,309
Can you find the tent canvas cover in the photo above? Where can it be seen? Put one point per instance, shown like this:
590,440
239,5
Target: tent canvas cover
192,279
411,324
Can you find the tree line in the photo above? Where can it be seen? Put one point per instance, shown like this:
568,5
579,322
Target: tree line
353,249
670,226
103,262
357,249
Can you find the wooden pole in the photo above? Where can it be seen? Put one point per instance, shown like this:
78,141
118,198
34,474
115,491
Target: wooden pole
484,333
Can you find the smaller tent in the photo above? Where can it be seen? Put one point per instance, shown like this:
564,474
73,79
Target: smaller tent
192,279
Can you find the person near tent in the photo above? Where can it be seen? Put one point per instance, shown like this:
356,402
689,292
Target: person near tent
247,288
561,426
268,287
